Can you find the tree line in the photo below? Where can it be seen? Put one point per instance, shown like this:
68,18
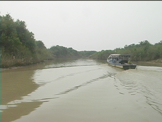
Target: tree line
144,51
19,47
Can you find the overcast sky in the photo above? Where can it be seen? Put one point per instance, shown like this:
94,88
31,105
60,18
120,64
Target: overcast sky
89,25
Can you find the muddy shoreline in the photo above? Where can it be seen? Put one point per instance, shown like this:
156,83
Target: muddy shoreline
34,64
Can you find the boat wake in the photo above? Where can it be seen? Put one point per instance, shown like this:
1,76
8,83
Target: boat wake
144,83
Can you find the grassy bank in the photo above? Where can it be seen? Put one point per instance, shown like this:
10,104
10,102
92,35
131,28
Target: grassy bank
157,62
8,60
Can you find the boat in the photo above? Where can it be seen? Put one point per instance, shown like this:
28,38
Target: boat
121,61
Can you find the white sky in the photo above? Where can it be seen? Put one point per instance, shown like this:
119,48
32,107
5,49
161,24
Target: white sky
89,25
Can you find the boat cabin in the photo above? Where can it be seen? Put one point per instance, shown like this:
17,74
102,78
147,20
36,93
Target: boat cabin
120,58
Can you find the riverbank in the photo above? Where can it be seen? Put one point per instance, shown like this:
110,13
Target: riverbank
157,62
20,66
37,63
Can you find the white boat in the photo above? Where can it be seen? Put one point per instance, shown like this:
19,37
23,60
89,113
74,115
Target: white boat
121,61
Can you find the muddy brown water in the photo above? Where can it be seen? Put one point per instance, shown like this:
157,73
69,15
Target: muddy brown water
81,91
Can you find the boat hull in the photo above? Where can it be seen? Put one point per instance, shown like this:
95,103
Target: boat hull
129,66
123,66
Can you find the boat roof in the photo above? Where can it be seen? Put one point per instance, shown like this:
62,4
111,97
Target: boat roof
117,55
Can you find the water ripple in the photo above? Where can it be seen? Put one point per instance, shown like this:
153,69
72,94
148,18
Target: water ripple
84,84
142,83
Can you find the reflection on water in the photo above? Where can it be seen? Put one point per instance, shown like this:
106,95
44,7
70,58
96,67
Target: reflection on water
20,86
13,113
26,89
15,84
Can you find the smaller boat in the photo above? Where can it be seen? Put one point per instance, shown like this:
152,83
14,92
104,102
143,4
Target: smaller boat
121,61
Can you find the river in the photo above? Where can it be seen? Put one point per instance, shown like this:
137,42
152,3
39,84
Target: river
81,90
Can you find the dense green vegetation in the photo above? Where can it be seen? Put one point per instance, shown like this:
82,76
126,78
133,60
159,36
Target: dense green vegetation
17,44
19,47
63,52
85,54
144,51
